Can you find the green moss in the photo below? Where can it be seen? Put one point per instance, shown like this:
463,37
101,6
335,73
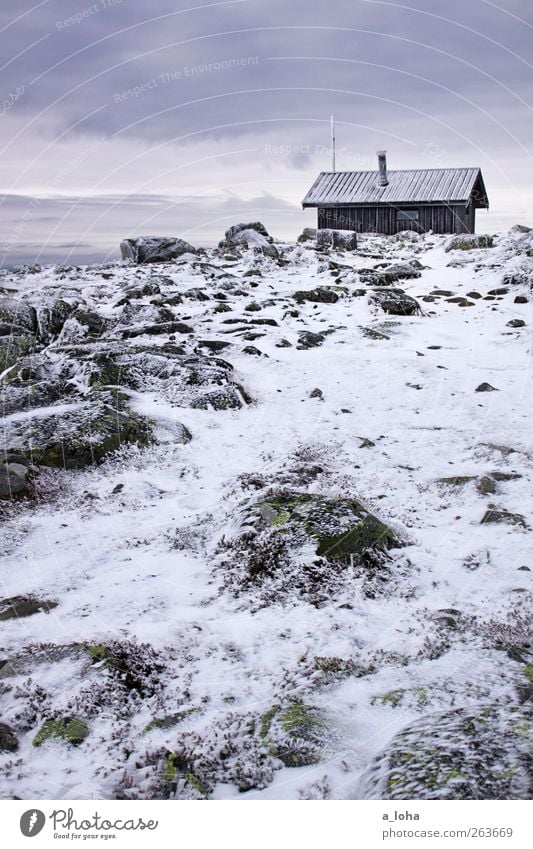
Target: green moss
196,784
266,719
366,442
170,769
97,652
393,698
528,672
299,718
68,729
281,518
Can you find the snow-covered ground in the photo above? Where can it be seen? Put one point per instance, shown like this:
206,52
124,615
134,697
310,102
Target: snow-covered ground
154,619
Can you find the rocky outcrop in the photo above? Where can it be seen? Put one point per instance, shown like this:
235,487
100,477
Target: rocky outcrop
468,242
469,753
253,235
293,543
148,249
395,302
76,435
345,240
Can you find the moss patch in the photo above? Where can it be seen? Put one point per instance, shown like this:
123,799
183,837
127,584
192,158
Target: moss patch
68,729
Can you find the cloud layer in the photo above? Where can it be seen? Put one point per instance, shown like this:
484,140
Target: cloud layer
178,118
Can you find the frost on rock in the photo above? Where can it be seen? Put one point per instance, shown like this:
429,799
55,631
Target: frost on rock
479,753
292,544
149,249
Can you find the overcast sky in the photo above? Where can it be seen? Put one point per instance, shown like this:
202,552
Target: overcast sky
178,117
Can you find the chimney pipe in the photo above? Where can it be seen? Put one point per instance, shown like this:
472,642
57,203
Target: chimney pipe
383,180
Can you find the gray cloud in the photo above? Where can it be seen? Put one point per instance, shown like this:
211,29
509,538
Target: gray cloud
227,82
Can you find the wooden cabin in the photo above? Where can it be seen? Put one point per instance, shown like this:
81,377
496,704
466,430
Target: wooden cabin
443,200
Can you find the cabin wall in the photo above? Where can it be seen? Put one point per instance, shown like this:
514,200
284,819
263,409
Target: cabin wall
383,219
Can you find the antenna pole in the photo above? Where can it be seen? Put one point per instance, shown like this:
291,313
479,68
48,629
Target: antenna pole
333,143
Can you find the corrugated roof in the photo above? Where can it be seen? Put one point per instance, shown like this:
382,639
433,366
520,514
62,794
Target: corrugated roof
434,185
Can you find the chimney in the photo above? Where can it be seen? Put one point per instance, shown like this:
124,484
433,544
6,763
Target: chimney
383,180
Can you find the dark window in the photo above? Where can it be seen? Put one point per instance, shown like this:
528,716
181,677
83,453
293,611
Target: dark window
407,215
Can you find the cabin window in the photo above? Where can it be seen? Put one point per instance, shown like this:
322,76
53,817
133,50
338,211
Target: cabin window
407,215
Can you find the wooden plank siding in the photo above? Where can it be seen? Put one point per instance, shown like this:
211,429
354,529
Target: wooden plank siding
382,218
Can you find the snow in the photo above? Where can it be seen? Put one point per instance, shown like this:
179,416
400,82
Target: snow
110,558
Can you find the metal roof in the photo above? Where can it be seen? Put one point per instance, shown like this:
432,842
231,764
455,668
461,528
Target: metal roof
434,185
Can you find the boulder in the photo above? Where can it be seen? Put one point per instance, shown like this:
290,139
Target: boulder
147,249
395,302
308,234
78,436
345,240
232,236
225,398
19,607
16,317
389,274
8,739
290,543
468,242
306,340
252,235
321,295
13,480
467,753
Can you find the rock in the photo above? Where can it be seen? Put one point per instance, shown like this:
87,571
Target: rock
18,607
232,234
466,753
306,340
486,485
51,320
196,294
94,324
370,333
8,739
79,436
516,322
345,240
521,299
486,387
395,302
158,329
13,480
13,348
321,295
308,234
388,275
148,249
226,398
16,317
520,228
316,393
68,729
499,516
519,274
253,235
142,290
253,351
468,242
214,345
291,544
